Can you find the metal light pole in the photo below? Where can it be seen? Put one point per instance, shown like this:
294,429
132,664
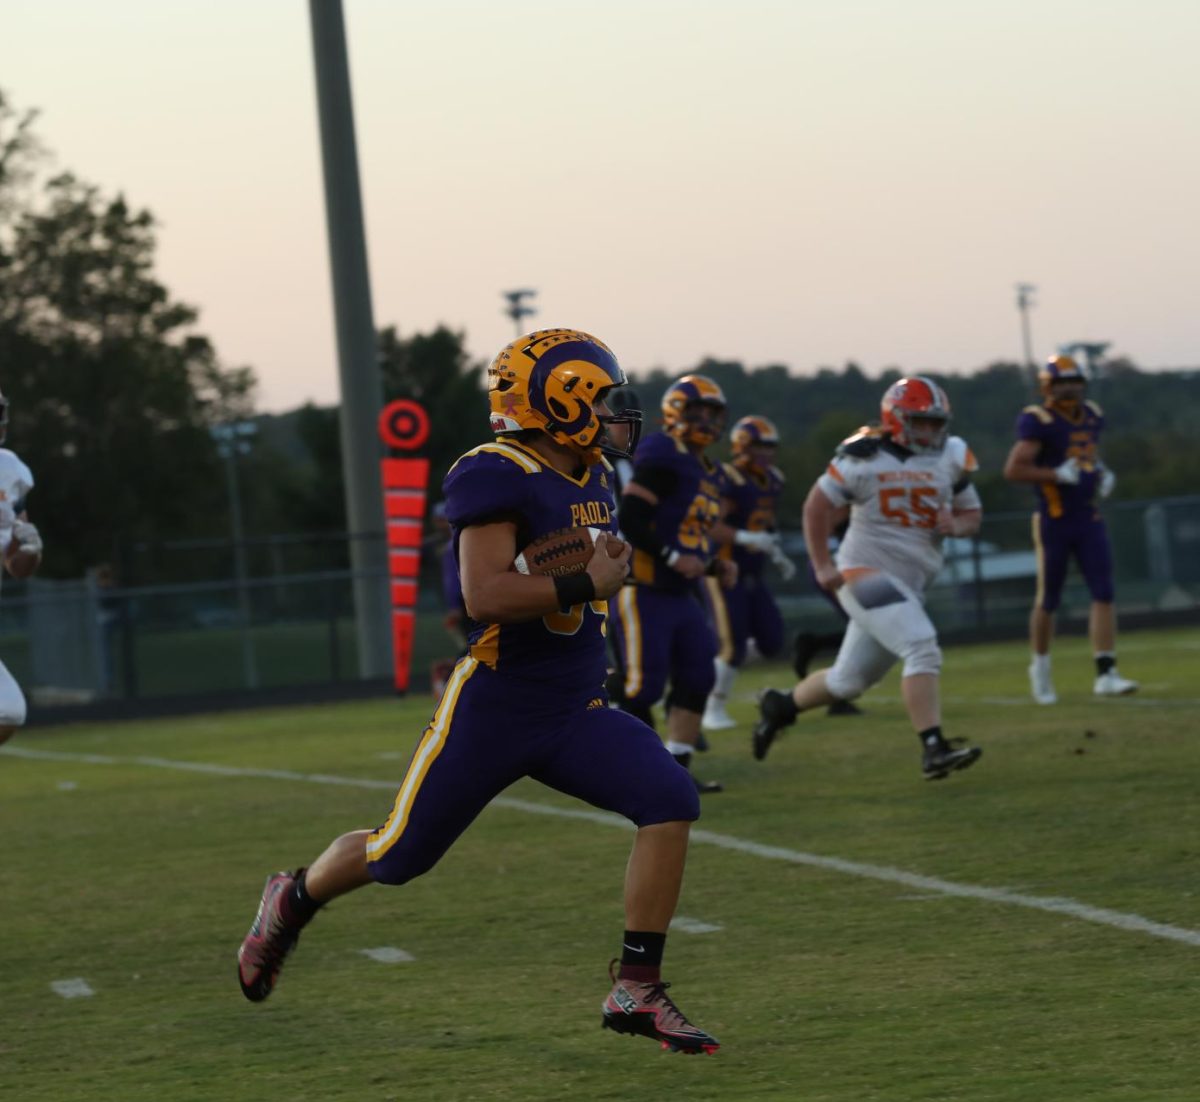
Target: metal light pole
233,440
358,356
1024,302
517,309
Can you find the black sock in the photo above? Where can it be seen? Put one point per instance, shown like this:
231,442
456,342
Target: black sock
932,736
642,947
1104,663
641,956
298,906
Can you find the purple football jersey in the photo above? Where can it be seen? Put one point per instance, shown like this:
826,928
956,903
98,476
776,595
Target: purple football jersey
755,497
1062,438
684,517
562,652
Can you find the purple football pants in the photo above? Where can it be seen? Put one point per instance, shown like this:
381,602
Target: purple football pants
663,637
1056,542
489,731
747,611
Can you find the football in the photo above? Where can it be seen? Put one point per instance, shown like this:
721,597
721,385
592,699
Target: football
560,554
21,564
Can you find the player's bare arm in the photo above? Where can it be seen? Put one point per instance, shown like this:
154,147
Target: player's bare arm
1020,466
959,522
821,518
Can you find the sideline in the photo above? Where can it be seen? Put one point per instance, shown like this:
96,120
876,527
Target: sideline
1054,905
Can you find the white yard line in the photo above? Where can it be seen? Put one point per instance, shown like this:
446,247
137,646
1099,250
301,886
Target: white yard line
1133,700
1052,904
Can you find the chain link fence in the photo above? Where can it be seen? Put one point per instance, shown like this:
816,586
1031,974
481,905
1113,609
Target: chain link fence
81,641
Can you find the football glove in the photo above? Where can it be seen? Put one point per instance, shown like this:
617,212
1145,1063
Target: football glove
1068,472
1108,480
756,541
785,566
27,537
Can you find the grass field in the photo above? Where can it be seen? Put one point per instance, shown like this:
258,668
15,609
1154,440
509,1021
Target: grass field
1071,974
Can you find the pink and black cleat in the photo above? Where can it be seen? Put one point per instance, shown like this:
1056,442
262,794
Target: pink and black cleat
270,940
647,1009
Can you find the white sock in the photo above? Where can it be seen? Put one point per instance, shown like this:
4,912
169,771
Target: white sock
726,675
1041,663
676,748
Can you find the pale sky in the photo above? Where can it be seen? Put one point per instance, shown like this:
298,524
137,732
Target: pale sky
791,182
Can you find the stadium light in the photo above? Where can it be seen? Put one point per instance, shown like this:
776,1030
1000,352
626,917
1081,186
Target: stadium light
1024,303
517,308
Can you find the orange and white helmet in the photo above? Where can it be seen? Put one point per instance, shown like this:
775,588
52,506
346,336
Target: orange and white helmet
915,413
694,410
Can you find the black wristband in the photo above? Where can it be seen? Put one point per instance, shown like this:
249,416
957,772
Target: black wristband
575,589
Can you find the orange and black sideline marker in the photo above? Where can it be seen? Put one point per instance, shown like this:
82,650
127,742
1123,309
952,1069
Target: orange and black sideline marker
404,427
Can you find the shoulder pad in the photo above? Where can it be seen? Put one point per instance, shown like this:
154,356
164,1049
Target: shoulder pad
1040,412
658,448
1094,407
14,471
499,456
961,455
862,446
488,480
733,474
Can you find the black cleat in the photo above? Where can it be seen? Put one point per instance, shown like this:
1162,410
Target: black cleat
701,786
776,711
940,761
844,708
645,1009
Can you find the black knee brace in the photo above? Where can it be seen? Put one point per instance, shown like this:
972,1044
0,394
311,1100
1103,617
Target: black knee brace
687,699
640,710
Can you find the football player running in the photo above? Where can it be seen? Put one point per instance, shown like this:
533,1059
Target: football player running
747,610
527,700
670,512
21,546
1057,450
908,486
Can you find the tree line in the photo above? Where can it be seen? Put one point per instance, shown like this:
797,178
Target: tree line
115,395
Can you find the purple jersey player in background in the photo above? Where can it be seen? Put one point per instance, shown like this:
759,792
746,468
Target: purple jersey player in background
1057,450
671,512
528,699
747,610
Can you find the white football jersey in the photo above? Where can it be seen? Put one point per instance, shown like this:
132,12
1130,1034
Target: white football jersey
16,481
894,498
